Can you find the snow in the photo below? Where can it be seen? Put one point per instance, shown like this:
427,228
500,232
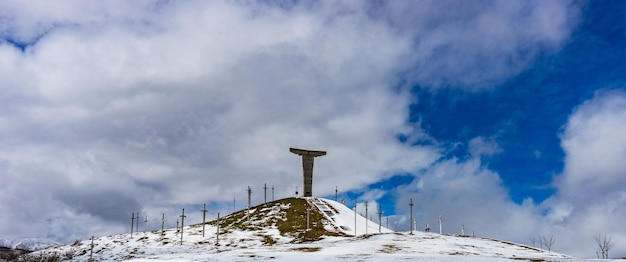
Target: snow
29,244
345,219
252,245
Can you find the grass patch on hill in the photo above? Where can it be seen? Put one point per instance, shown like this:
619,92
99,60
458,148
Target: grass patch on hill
288,215
295,223
307,249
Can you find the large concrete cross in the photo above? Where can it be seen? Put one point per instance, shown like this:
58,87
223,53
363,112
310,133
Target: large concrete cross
307,167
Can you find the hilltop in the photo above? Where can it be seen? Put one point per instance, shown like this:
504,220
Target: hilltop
26,244
278,231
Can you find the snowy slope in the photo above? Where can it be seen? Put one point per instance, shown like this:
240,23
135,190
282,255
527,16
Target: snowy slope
347,220
28,244
264,238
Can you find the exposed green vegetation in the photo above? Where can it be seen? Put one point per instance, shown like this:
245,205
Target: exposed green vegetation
288,215
268,240
389,249
295,223
307,249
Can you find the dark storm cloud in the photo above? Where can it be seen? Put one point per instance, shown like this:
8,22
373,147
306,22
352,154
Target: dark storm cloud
108,205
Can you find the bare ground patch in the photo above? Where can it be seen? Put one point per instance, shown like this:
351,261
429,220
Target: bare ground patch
307,249
389,249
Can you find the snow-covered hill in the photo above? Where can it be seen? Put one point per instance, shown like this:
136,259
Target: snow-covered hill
278,231
28,244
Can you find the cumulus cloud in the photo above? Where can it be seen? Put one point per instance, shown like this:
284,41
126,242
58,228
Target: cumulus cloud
467,194
114,107
500,38
194,105
591,196
595,143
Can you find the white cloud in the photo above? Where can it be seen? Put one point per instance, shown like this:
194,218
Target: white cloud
119,107
500,38
193,106
595,143
591,196
465,193
479,146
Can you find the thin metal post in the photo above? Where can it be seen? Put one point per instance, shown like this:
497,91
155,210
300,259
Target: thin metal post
265,193
249,202
203,218
91,251
440,224
355,218
145,224
132,224
366,217
411,220
272,193
380,222
249,196
182,225
217,236
307,218
137,223
336,192
163,224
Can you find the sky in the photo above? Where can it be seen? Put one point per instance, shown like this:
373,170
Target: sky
506,117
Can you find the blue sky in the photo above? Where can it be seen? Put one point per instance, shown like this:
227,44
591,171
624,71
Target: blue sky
526,113
508,117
